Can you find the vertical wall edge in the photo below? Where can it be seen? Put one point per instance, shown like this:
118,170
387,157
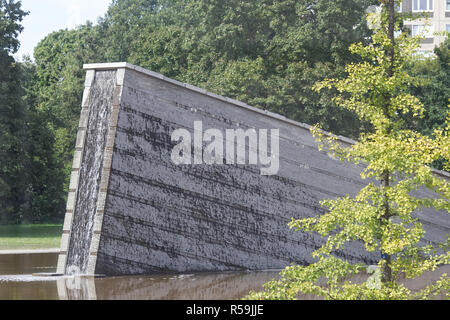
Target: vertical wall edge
74,179
106,168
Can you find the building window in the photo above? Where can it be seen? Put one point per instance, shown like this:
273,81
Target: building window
423,5
424,54
421,30
447,6
447,28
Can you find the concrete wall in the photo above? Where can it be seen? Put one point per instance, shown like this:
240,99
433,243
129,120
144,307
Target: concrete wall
153,216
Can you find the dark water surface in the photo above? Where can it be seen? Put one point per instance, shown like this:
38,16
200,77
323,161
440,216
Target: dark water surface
18,281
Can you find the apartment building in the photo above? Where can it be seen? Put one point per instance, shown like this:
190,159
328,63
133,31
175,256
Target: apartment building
438,12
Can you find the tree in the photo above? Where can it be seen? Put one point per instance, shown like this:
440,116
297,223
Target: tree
434,73
123,23
267,54
57,85
397,160
13,117
11,15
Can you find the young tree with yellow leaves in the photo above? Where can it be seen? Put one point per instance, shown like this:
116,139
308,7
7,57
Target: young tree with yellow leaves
397,162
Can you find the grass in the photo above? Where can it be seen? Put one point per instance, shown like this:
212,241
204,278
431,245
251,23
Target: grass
27,237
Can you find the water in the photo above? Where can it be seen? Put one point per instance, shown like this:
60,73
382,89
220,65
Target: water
90,173
28,263
17,282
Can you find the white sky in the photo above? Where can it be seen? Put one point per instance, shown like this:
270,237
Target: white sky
47,16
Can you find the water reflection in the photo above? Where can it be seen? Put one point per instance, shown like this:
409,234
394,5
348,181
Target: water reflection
221,286
183,287
28,262
18,283
76,288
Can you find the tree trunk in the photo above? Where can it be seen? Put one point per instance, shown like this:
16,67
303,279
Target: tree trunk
386,271
390,7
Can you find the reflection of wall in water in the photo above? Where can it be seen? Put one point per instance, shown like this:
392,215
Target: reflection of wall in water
176,287
221,286
76,288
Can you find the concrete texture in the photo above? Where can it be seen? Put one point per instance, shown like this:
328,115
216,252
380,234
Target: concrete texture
438,19
152,216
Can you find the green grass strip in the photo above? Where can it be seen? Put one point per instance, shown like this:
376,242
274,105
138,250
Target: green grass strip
27,237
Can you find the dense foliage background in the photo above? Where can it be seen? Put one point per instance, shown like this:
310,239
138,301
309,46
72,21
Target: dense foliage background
266,53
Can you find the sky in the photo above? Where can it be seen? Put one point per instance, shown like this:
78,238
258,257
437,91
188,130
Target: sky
47,16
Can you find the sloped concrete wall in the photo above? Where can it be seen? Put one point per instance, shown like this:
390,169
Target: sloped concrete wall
154,216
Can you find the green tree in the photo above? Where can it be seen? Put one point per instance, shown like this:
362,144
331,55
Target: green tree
13,117
123,23
11,15
397,160
268,54
58,83
435,89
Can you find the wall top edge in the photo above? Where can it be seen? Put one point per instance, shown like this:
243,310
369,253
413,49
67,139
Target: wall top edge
107,66
126,65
